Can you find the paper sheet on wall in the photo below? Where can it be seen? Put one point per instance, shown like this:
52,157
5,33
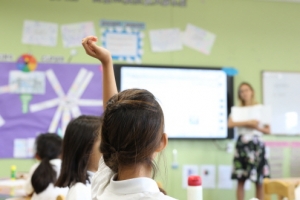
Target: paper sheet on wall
208,176
198,39
258,112
247,185
123,39
39,33
121,44
24,148
72,34
276,156
5,57
165,40
224,177
27,82
187,171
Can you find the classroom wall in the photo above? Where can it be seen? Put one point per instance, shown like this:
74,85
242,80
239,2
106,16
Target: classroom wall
252,35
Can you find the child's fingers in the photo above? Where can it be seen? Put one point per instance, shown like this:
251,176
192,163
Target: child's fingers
87,47
94,38
92,44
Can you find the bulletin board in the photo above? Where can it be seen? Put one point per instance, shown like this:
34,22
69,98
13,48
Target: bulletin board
69,91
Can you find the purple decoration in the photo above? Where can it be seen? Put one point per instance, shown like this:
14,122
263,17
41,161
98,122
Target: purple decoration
29,125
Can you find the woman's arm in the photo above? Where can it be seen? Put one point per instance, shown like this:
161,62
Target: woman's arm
265,129
249,124
109,82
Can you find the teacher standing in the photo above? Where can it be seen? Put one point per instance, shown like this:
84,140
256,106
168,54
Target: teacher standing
249,159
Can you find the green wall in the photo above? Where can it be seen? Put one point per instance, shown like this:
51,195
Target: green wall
252,36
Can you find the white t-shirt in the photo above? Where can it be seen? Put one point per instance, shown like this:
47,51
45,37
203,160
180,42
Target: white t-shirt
50,193
105,187
80,191
246,131
56,163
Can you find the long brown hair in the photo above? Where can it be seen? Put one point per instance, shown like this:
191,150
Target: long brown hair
132,129
242,102
80,136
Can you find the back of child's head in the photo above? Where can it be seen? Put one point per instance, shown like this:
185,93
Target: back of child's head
79,138
48,147
132,129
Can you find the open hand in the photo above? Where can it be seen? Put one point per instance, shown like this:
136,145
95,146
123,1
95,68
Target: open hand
92,49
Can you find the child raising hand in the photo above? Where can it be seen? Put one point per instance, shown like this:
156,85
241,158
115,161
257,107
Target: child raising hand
132,135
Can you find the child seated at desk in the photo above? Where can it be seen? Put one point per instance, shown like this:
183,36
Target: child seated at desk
81,156
43,175
132,135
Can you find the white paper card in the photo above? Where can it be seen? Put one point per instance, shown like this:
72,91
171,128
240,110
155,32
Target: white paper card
258,112
187,171
20,148
24,148
198,39
72,34
247,185
52,59
224,177
27,82
122,44
39,33
165,40
6,57
30,147
208,175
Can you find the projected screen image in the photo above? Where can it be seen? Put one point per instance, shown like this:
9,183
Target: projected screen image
194,101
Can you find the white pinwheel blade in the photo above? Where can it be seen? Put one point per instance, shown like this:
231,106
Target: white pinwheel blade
55,119
55,83
44,105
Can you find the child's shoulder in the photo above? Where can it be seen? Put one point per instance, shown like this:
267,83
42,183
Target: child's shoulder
79,191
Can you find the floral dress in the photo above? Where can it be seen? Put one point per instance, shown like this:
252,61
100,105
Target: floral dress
250,159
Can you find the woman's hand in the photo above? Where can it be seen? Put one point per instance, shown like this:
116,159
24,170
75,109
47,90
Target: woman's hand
253,124
92,49
265,129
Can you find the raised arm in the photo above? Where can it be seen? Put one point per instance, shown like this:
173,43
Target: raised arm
102,54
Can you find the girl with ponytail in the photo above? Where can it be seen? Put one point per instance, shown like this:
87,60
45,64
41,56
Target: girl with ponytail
43,175
132,135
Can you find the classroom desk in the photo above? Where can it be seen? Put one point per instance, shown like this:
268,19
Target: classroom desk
282,187
12,188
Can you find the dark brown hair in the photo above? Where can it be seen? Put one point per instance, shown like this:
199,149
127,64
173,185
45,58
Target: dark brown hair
80,136
242,102
132,129
48,147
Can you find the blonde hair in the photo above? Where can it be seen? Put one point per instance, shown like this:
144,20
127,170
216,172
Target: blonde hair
242,102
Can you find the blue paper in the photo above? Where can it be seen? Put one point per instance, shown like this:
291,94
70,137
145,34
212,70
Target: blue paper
230,71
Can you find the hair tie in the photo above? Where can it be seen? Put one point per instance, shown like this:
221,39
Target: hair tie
112,149
110,102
